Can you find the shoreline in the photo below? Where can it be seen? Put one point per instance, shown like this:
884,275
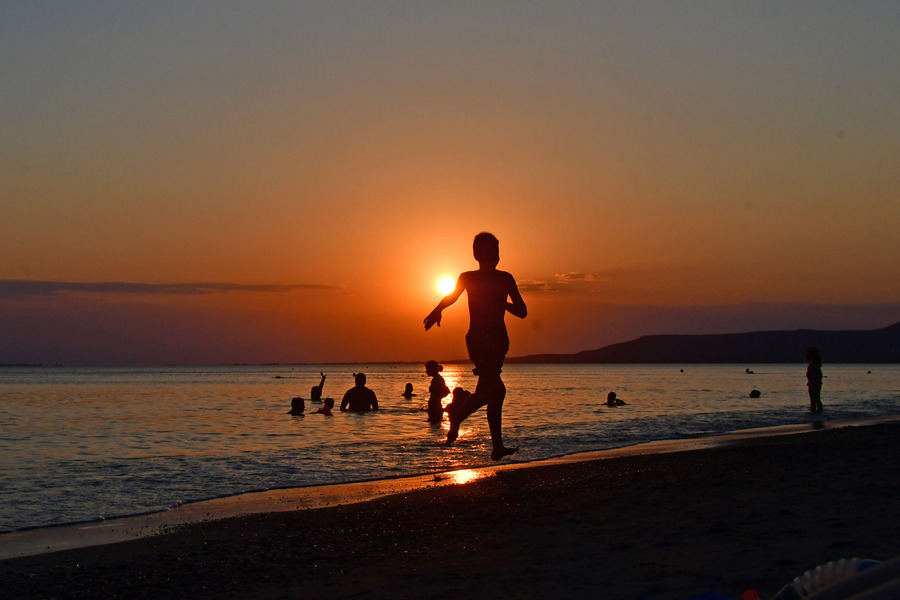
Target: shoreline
55,538
725,516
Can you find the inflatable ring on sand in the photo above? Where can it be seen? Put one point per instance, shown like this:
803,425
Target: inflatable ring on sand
823,576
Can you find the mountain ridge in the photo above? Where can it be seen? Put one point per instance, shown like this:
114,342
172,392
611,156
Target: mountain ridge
786,346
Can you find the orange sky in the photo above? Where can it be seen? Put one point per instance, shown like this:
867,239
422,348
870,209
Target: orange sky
673,167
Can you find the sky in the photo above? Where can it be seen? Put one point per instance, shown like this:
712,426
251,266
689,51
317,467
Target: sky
278,182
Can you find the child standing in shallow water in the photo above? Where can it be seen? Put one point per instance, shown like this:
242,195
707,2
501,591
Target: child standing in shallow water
492,293
436,391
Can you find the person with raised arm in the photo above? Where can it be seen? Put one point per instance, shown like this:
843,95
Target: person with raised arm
491,294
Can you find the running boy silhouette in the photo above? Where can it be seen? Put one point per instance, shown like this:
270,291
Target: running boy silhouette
488,290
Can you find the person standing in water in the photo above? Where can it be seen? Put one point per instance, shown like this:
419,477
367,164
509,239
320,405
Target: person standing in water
359,398
315,394
814,379
436,391
491,294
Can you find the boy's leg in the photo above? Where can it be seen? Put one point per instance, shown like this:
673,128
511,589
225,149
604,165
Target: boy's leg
492,392
487,350
495,420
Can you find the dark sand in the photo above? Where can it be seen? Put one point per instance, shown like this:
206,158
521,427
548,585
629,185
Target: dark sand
751,514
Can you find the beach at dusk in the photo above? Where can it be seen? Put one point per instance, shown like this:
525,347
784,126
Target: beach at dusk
752,513
389,299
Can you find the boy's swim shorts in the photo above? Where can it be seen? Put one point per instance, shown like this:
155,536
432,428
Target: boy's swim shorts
487,350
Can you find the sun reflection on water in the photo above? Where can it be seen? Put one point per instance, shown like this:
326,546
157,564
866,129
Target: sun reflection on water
464,476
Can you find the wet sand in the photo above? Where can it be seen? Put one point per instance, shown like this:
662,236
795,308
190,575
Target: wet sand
668,520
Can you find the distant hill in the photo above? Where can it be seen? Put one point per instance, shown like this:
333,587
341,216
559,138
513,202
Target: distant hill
869,346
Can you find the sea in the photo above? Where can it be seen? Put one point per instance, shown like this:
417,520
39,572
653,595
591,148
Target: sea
85,444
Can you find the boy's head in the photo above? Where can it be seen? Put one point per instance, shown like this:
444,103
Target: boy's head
329,402
486,248
360,378
315,393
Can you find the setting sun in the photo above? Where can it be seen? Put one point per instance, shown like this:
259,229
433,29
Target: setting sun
446,285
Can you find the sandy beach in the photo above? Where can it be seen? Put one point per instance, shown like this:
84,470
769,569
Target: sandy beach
753,513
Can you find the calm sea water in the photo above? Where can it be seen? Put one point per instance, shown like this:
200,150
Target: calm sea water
81,444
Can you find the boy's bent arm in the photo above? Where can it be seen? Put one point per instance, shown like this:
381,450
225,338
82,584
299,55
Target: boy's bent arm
517,306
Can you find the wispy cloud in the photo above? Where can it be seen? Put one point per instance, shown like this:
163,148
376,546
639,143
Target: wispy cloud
564,282
571,276
18,288
536,286
582,277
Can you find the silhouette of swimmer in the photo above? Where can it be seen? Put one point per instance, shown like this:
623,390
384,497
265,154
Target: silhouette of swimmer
436,391
487,341
315,394
326,410
814,379
298,405
359,398
611,400
755,393
408,391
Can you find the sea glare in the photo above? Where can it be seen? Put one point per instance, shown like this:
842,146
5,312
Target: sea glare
84,444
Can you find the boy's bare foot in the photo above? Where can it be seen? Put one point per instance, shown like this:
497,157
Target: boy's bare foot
500,453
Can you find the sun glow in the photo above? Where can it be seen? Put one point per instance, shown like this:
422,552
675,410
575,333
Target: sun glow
464,476
446,285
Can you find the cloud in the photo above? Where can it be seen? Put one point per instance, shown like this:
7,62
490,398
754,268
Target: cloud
15,288
565,282
572,276
533,285
575,278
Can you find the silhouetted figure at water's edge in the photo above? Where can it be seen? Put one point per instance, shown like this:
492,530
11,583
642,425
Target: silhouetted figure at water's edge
491,294
814,379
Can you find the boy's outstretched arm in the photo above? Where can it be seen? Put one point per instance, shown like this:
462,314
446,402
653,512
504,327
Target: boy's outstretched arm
434,317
